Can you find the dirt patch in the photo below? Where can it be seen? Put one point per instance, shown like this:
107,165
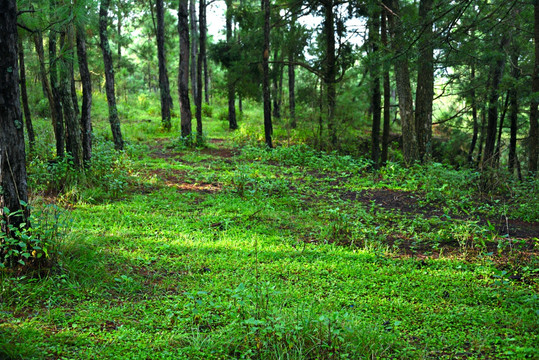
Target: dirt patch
220,152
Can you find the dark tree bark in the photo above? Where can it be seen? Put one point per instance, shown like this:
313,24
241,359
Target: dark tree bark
231,88
201,54
109,76
387,93
474,116
483,135
183,75
73,136
164,86
533,143
13,180
425,82
59,132
24,98
194,47
410,148
38,42
74,99
86,111
374,38
513,108
330,69
496,73
277,84
268,128
500,131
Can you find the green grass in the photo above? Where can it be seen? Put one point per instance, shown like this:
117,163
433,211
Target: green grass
272,255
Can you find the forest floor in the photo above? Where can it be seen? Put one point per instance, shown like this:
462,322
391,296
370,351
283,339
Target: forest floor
233,251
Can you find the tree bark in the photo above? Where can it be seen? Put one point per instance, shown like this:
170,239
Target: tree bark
194,47
231,89
201,52
268,128
330,69
513,108
73,136
387,93
38,42
277,84
13,178
533,142
24,98
496,73
109,76
183,74
410,148
59,132
425,82
474,116
374,38
86,110
164,86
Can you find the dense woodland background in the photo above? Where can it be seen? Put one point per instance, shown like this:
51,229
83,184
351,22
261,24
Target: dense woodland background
269,180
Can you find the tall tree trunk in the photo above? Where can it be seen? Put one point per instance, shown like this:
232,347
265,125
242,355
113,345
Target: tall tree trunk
13,180
194,47
496,73
474,116
277,84
231,89
483,135
86,111
268,128
38,42
201,52
203,32
533,143
425,82
183,75
164,86
330,69
374,36
513,106
59,132
24,98
73,136
500,131
109,76
387,93
402,77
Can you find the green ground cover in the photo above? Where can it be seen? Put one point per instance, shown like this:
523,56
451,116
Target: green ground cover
233,251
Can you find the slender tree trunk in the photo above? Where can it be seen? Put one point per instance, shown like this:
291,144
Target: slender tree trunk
495,79
53,74
533,142
164,86
38,42
232,122
500,131
387,93
425,82
292,90
24,98
268,128
514,107
109,76
194,47
402,77
483,135
86,111
474,116
13,179
330,69
374,37
201,53
183,75
277,84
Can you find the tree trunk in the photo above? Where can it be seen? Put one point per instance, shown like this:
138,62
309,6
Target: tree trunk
425,83
73,136
53,74
109,76
474,116
533,143
277,84
513,106
482,136
330,69
268,128
410,148
495,78
201,52
194,47
231,89
164,86
500,131
86,111
387,93
38,42
13,180
183,75
24,98
374,29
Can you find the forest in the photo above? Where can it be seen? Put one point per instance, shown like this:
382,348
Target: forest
273,179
